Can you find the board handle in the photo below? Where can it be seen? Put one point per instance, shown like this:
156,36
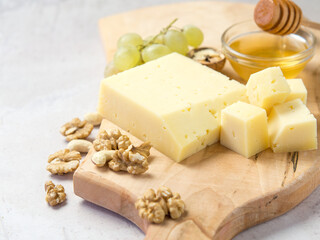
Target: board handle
185,230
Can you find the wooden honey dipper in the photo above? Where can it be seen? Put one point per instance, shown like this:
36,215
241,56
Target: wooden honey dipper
280,17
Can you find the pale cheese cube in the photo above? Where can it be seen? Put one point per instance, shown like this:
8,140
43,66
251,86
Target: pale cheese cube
292,127
267,88
244,129
173,102
298,90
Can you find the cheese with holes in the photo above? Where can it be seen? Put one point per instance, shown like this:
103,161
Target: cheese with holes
292,127
267,88
173,102
298,90
244,129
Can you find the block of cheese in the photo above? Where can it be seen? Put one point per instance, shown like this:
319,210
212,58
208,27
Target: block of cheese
267,88
244,129
173,102
292,127
298,90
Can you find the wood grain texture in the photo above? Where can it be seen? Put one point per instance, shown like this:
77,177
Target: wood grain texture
224,192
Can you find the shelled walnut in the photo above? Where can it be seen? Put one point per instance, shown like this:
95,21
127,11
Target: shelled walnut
154,206
65,155
151,207
55,194
76,129
113,140
164,192
175,206
61,167
134,160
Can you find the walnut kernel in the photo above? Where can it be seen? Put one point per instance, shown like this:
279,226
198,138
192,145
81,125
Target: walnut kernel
175,206
154,206
164,192
126,160
55,194
61,167
113,140
143,149
65,155
149,207
76,129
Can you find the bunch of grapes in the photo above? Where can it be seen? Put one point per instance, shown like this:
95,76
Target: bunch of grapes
133,50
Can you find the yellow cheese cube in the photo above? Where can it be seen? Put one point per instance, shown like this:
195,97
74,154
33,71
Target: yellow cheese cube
267,88
173,102
244,129
298,90
292,127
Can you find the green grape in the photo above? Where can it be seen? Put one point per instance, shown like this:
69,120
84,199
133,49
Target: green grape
126,58
127,39
147,39
159,39
154,51
176,41
193,35
140,62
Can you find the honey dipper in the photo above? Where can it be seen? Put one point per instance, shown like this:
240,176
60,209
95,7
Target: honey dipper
280,17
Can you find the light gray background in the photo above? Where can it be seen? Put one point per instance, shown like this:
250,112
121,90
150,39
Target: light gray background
51,63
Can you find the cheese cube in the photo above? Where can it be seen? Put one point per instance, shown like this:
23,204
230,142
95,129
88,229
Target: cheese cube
298,90
267,88
292,127
244,129
173,102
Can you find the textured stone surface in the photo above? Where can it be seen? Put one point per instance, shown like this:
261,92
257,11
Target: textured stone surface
51,63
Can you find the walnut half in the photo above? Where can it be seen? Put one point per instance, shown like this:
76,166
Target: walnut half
60,167
151,207
155,206
55,194
175,206
134,160
65,155
76,129
63,161
113,140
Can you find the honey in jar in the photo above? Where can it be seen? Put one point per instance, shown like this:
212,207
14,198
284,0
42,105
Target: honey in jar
261,50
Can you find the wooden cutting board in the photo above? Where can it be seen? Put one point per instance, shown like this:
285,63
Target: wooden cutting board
224,192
